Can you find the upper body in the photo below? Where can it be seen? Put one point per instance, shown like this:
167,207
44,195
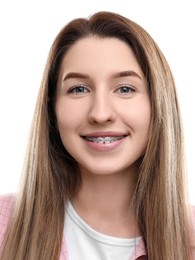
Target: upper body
7,203
107,136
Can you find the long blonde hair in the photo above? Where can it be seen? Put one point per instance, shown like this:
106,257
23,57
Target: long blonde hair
50,174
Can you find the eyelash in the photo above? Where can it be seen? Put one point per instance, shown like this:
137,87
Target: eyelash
127,87
75,89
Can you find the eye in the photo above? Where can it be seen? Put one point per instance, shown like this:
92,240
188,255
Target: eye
78,90
125,89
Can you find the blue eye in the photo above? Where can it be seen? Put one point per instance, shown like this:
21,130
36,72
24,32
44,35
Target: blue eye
125,89
78,90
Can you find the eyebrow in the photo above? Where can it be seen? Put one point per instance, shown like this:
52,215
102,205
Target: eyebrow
121,74
126,74
76,75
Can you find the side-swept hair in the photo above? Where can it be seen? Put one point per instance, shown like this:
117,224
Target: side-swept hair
50,174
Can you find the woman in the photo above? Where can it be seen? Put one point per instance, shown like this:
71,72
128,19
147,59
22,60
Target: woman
104,175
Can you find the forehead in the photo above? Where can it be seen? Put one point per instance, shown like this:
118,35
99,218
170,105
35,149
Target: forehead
94,54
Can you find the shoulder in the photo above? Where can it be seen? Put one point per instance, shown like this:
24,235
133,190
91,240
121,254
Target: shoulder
6,209
6,206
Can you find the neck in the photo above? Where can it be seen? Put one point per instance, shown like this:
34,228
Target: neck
104,203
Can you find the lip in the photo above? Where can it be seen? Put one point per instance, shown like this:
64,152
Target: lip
104,147
104,134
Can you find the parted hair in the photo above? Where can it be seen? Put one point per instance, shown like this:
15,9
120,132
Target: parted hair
51,176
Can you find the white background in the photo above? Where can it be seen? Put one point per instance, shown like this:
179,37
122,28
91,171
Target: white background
27,30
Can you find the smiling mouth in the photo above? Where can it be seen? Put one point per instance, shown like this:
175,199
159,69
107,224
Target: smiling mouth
104,140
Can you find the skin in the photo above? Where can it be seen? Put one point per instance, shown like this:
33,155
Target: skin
102,92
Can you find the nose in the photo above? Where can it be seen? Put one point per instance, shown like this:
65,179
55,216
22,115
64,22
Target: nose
102,109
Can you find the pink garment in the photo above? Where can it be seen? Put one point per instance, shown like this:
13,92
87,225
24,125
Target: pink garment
6,210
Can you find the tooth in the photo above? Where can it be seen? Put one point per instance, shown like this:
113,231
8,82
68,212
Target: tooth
107,140
100,140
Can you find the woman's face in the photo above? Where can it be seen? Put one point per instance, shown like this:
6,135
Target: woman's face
102,106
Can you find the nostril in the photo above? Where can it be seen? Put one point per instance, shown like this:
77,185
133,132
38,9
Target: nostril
101,114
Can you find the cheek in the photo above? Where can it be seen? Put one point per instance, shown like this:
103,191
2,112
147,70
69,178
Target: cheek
63,113
138,115
69,114
143,125
144,115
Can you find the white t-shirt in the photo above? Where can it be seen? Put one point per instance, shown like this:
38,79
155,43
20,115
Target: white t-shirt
84,243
